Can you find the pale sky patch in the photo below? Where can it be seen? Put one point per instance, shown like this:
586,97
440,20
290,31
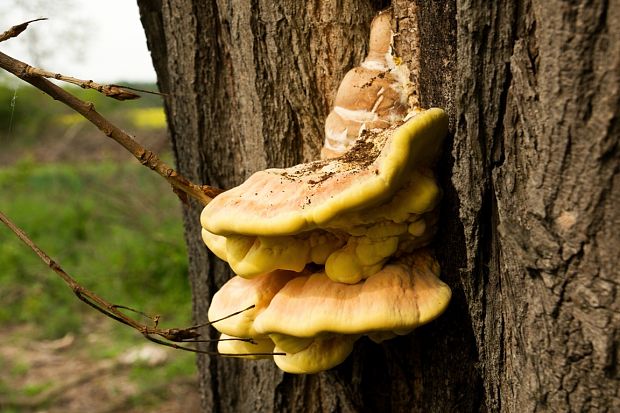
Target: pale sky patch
99,40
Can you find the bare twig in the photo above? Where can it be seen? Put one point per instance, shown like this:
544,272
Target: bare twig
180,184
203,193
117,92
113,91
16,30
169,336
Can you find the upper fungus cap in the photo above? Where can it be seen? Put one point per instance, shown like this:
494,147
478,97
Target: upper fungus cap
288,201
372,83
374,94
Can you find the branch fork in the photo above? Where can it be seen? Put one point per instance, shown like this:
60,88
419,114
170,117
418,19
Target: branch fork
38,78
182,186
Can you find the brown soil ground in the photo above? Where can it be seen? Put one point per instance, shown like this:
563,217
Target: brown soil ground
63,376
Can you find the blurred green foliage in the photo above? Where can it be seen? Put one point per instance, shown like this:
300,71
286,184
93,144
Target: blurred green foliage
115,227
27,113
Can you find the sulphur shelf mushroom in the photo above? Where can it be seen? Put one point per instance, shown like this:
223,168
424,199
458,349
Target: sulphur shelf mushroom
349,213
311,314
332,250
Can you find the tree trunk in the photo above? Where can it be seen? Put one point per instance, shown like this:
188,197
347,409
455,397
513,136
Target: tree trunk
528,239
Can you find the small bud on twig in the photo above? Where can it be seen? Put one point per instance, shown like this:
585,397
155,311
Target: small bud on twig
16,30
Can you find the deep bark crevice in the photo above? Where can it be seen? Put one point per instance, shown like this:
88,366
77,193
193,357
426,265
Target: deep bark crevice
528,234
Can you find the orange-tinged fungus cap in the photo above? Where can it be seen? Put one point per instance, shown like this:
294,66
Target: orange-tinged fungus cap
400,297
323,354
238,294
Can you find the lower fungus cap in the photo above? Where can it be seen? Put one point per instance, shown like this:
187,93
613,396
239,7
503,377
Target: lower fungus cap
400,297
238,294
315,320
322,354
258,349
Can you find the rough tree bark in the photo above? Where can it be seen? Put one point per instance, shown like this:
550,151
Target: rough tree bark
529,238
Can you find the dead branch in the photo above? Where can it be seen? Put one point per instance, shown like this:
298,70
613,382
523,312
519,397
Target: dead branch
203,193
113,91
117,92
36,77
169,336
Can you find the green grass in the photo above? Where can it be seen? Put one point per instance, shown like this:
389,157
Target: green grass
31,390
19,369
149,378
116,228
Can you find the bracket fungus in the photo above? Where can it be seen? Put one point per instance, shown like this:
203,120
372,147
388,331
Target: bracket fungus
331,250
315,321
